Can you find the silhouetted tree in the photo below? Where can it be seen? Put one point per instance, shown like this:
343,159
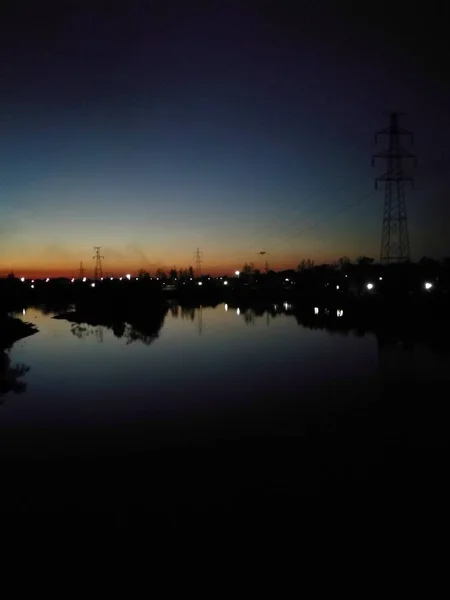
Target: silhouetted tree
248,268
161,274
143,274
364,261
343,263
304,265
191,272
173,273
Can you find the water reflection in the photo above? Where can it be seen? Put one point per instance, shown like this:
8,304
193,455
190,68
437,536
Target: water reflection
10,376
140,326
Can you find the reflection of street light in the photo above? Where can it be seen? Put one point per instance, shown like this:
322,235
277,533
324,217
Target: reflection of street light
226,307
238,312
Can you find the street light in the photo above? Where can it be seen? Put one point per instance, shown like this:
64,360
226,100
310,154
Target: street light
237,273
369,286
428,285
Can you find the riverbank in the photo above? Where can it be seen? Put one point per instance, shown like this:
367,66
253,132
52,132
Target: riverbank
13,330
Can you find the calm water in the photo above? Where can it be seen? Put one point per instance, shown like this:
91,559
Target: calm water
210,372
207,420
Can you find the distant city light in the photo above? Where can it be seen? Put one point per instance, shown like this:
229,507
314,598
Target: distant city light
73,279
225,283
92,284
287,279
346,275
237,273
47,280
32,281
221,277
24,311
238,312
226,307
32,286
286,306
120,278
128,276
200,283
137,278
369,286
337,287
380,278
101,278
84,279
22,279
316,310
428,285
190,279
111,278
340,313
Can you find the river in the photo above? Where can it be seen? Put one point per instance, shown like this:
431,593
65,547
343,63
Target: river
277,391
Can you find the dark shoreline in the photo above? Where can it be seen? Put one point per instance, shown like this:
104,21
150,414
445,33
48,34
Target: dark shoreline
12,330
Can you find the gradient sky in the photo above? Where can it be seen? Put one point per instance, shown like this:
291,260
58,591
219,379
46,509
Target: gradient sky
154,128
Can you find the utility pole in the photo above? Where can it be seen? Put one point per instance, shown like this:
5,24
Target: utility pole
98,271
394,236
198,263
81,272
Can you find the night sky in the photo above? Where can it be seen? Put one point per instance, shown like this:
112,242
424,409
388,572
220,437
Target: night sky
154,128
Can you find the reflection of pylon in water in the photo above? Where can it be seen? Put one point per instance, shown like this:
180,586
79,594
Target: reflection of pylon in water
200,320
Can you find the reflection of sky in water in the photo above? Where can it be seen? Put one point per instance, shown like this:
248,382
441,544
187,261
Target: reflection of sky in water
207,361
235,357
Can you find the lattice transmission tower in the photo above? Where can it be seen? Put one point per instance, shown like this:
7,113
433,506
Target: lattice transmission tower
394,236
98,271
81,271
198,263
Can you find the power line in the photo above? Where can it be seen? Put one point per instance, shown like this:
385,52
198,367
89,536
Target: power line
321,221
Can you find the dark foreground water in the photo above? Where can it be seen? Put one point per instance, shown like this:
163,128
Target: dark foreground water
216,418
